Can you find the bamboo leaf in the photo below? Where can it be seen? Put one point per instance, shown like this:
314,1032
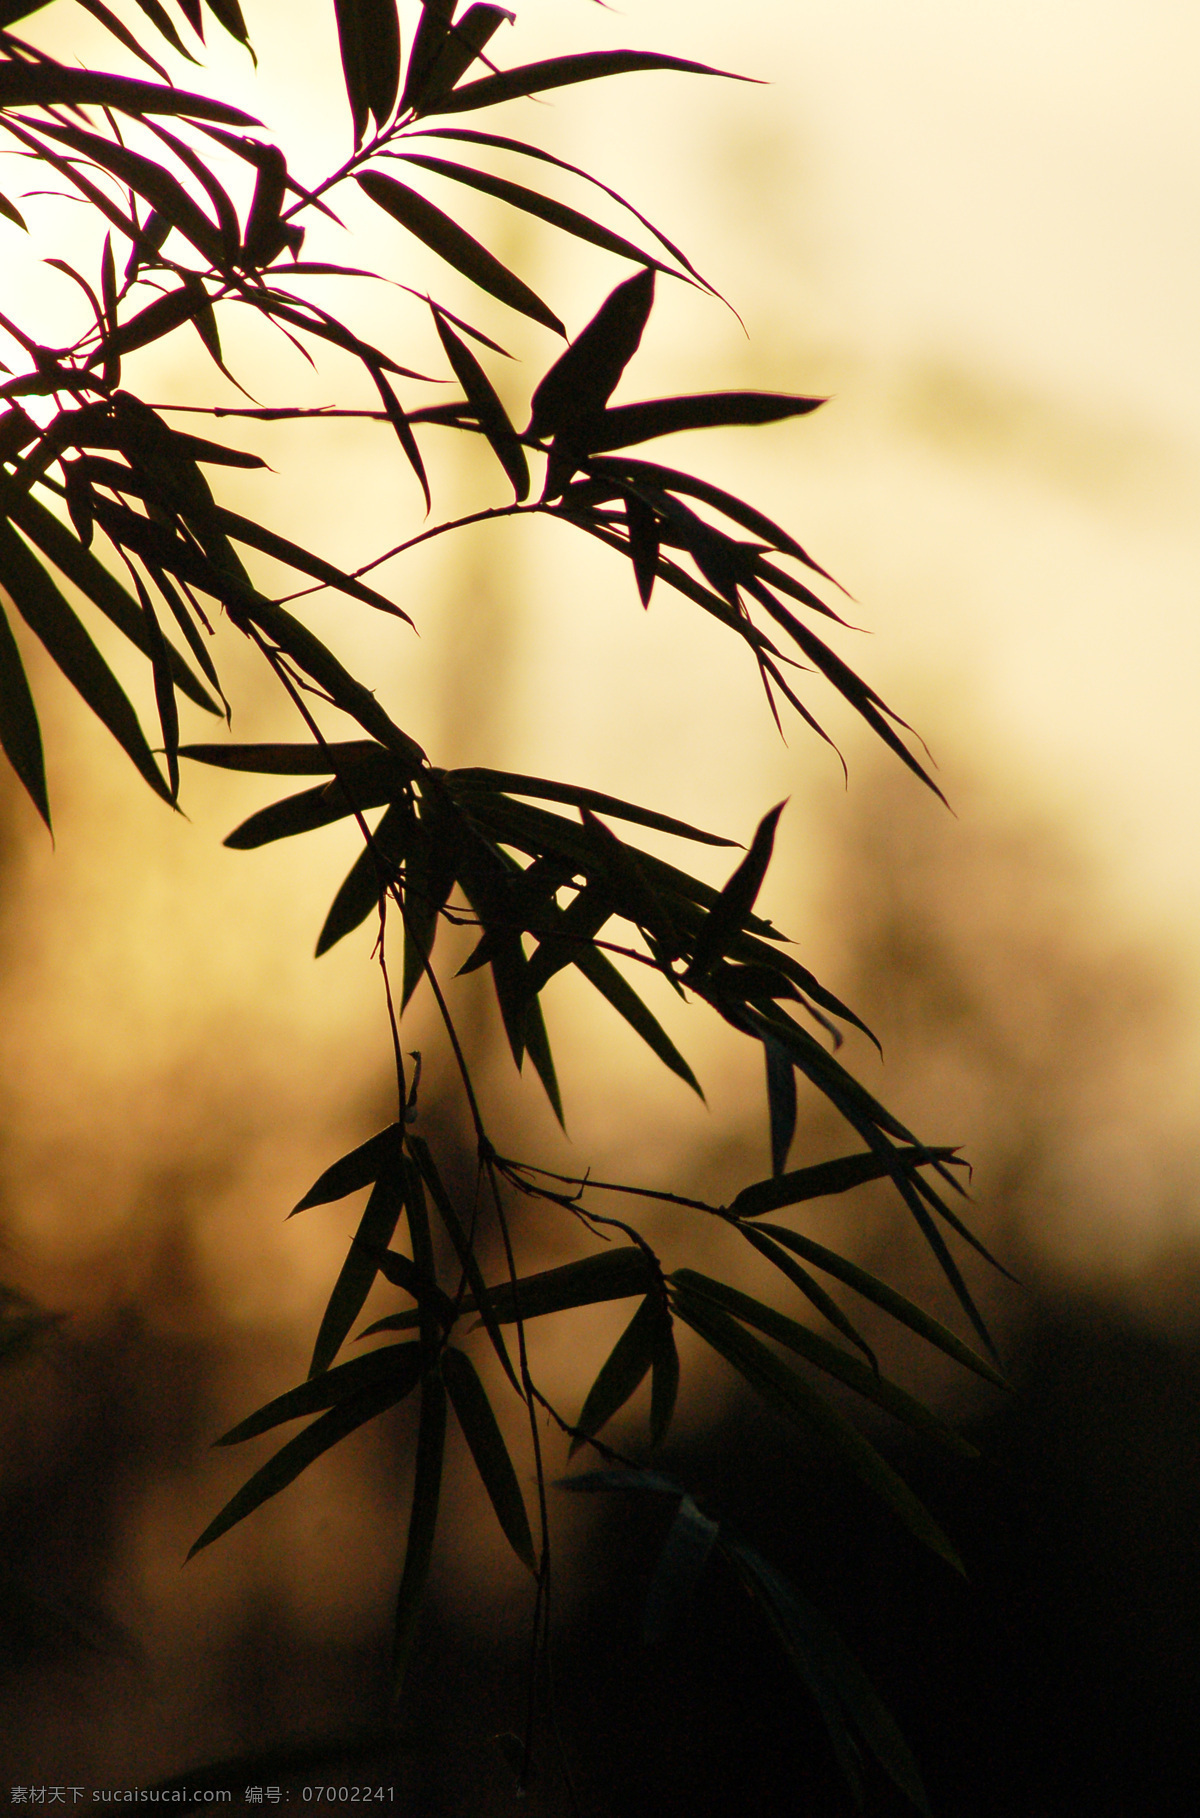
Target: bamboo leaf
624,424
537,1044
578,386
367,877
484,401
832,1674
685,1553
818,1350
12,213
122,34
164,690
422,1520
599,970
563,72
165,194
622,1374
452,243
609,1275
397,1366
456,50
809,1287
50,84
901,1309
362,1167
330,758
728,914
468,136
369,41
93,580
310,809
299,1453
429,874
532,202
20,733
792,1396
45,611
460,782
825,1178
244,530
474,1412
481,1300
664,1378
781,1102
433,28
361,1266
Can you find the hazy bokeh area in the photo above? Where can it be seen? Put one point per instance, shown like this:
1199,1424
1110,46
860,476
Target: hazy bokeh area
974,230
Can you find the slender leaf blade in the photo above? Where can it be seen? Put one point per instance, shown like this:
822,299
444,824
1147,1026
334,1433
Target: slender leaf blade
452,243
482,1433
20,733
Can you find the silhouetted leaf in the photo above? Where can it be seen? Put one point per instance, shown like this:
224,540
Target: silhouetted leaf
685,1553
122,34
299,1453
537,1044
396,1366
45,611
484,401
12,213
624,424
728,914
664,1378
581,381
792,1396
831,1673
230,15
161,20
404,434
810,1288
781,1103
456,50
361,1266
532,202
599,970
901,1309
360,1168
312,808
242,530
445,237
422,1520
474,1411
164,691
369,40
468,136
671,480
644,544
47,84
481,1299
824,1178
93,580
561,72
510,783
165,194
331,758
433,27
20,733
818,1350
368,875
622,1374
608,1275
429,873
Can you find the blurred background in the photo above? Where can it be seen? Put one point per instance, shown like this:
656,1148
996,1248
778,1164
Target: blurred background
974,231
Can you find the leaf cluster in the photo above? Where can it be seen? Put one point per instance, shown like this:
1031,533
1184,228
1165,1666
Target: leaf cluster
110,511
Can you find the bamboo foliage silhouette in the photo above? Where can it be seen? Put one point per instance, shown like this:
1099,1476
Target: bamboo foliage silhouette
108,504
